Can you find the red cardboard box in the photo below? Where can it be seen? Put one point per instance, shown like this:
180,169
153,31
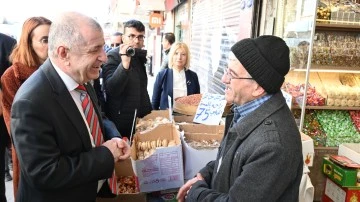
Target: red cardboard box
335,193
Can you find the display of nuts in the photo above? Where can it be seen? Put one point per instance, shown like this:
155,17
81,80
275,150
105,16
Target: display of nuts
147,148
164,143
171,143
153,144
149,124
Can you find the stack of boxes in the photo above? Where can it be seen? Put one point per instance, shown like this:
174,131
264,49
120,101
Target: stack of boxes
343,175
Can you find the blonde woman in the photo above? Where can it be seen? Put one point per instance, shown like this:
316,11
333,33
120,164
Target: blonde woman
177,81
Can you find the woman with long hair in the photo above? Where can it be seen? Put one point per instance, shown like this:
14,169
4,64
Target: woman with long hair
28,55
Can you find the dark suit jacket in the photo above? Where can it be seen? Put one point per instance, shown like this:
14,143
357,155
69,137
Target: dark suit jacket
163,87
50,136
6,46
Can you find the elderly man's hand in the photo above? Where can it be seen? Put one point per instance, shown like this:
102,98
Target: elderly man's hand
183,191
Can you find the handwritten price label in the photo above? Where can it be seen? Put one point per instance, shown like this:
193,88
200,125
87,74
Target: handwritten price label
210,109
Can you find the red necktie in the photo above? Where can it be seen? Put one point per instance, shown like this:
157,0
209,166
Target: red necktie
93,123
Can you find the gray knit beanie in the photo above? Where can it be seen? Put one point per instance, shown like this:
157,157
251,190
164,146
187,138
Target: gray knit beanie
266,58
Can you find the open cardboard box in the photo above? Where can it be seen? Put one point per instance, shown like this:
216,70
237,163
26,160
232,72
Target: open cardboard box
195,159
183,119
153,115
164,168
351,151
157,113
124,168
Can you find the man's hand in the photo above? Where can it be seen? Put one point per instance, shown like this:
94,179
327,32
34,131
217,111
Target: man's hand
124,147
125,60
112,145
183,191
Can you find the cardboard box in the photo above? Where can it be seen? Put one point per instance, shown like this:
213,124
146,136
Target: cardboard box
351,151
124,168
144,127
196,159
307,149
158,113
183,119
343,176
335,193
164,168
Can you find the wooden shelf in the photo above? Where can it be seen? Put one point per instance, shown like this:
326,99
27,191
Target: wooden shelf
328,108
338,27
328,68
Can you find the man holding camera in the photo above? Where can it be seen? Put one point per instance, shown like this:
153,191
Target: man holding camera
125,79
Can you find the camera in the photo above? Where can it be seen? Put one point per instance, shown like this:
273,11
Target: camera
130,51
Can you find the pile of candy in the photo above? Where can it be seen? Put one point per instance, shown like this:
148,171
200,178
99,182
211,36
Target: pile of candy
313,97
313,129
338,127
355,117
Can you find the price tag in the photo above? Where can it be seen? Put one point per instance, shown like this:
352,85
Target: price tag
288,98
210,109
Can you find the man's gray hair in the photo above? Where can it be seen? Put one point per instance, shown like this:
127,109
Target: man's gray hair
66,31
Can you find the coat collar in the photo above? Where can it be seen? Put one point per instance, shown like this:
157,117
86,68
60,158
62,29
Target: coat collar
257,117
63,97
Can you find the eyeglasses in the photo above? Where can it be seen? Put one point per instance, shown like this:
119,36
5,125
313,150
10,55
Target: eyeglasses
132,37
115,45
228,73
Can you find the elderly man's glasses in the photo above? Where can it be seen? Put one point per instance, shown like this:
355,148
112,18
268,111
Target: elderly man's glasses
132,37
230,75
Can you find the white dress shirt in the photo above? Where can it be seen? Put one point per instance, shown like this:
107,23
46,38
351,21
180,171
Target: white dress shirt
179,84
71,85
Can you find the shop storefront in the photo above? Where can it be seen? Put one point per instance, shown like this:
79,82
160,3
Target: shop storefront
215,27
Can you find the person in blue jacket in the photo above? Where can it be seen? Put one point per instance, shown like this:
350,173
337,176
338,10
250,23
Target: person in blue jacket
177,81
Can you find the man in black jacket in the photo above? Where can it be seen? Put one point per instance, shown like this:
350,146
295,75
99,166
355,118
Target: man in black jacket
125,79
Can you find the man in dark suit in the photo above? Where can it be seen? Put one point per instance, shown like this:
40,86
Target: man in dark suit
54,142
6,46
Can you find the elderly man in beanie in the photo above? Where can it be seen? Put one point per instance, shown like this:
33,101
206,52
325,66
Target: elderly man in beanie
260,157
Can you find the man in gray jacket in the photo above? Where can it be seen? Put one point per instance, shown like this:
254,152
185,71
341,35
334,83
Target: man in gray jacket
260,157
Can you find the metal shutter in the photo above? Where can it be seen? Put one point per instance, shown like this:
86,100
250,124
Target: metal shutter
216,26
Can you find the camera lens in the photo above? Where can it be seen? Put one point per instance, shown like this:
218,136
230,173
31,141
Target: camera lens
130,51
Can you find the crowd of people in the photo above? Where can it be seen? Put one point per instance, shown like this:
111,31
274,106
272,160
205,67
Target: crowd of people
69,103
